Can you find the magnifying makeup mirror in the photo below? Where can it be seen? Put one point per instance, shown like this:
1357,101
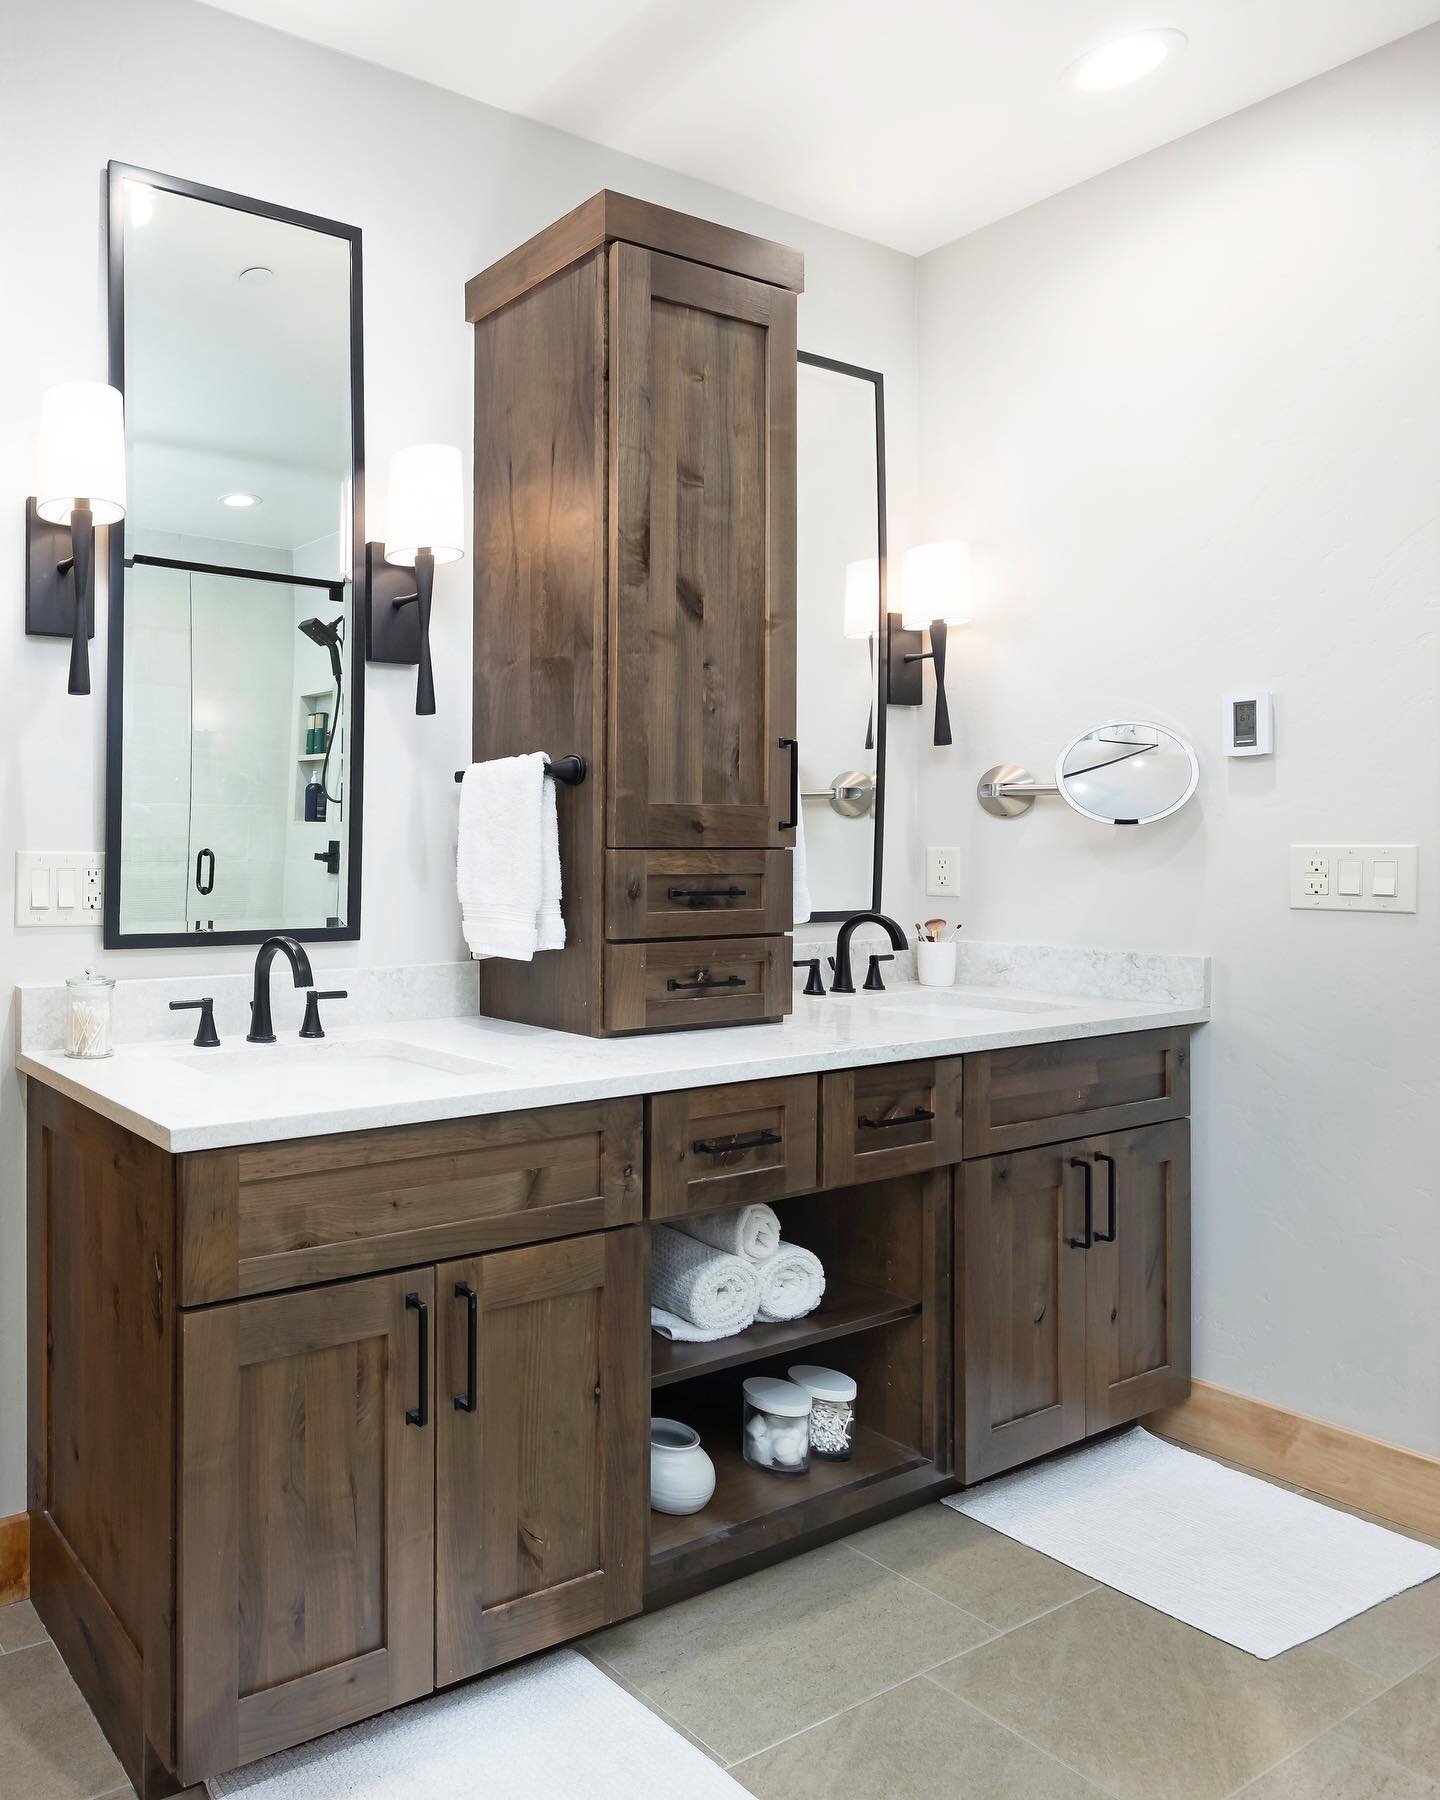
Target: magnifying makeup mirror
1127,772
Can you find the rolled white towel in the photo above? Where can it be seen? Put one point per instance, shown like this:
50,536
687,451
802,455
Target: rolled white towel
792,1284
749,1231
711,1290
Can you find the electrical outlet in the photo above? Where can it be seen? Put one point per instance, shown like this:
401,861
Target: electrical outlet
59,887
942,871
1353,877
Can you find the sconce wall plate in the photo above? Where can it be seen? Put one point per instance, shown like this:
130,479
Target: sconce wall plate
906,684
49,588
392,633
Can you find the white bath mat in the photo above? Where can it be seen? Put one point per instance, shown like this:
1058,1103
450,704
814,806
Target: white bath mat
1250,1563
552,1729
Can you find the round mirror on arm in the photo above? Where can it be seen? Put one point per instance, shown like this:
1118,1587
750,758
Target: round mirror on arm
1129,772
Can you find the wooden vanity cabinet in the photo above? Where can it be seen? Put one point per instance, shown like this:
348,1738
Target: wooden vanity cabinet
635,374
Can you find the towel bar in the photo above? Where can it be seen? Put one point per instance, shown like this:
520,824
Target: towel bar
570,770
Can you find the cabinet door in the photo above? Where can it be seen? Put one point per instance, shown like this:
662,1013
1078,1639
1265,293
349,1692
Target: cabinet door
702,555
1021,1297
1138,1274
543,1447
306,1516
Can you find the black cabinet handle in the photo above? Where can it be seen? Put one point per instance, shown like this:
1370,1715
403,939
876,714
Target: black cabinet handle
463,1291
202,885
1084,1243
725,1146
918,1117
705,981
420,1415
793,746
1108,1237
699,896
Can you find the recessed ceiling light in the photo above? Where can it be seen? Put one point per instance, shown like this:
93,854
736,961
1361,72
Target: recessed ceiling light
1124,60
256,276
239,499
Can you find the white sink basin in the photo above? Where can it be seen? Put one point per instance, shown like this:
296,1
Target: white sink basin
328,1072
955,1003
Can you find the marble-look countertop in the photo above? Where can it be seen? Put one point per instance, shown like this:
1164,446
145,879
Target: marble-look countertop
412,1071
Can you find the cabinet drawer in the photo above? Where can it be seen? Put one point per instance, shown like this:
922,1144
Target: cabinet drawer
284,1215
709,1148
898,1119
682,893
714,981
1043,1093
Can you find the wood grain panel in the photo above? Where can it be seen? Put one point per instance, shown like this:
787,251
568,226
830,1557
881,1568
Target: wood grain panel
1045,1093
682,893
543,1487
320,1208
861,1140
681,1178
707,981
14,1558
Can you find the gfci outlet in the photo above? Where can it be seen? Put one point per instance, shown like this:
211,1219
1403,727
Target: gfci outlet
942,871
1352,877
59,887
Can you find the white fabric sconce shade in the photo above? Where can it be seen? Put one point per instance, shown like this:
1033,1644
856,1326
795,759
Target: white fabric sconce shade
935,584
425,507
82,453
862,598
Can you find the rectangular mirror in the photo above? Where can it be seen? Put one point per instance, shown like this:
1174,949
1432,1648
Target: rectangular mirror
234,750
840,603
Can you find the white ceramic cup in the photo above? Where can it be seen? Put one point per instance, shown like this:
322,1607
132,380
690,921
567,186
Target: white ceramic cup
935,963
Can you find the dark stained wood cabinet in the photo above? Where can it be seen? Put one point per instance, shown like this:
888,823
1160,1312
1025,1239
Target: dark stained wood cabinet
542,1447
635,601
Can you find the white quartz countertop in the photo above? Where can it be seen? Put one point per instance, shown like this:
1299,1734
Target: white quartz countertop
361,1077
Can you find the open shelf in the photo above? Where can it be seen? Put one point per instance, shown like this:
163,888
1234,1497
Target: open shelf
745,1496
847,1307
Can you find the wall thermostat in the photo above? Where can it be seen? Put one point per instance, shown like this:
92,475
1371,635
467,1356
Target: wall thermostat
1249,724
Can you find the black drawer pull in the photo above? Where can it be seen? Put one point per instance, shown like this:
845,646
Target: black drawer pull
1084,1243
699,896
672,986
740,1140
793,746
420,1415
1108,1237
463,1291
918,1117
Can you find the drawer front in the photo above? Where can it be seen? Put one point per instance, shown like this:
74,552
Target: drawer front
682,893
897,1119
714,981
1045,1093
284,1215
710,1148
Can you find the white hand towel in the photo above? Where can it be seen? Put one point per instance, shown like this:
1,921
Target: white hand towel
681,1331
800,873
792,1284
704,1287
507,859
749,1231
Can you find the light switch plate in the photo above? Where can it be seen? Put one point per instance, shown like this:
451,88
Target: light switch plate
1341,877
85,884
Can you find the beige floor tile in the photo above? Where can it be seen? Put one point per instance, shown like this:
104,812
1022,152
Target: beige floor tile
973,1567
20,1626
50,1747
589,1650
1151,1709
1332,1768
915,1740
1404,1723
748,1663
1393,1639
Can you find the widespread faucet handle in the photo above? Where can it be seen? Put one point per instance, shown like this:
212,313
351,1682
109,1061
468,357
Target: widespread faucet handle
311,1027
206,1037
873,982
813,982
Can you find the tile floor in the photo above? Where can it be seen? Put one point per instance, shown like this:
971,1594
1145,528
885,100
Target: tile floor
931,1657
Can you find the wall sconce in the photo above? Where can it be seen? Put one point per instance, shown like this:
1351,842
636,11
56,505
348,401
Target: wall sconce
862,620
425,525
934,595
79,484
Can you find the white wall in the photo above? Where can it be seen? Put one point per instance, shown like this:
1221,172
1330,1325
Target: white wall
1188,414
440,186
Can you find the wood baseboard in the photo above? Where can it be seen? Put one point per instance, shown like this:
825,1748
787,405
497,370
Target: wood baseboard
14,1558
1400,1485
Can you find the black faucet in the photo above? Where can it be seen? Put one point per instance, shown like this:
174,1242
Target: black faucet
262,1029
844,982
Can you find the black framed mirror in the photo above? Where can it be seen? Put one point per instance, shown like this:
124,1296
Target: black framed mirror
235,694
841,587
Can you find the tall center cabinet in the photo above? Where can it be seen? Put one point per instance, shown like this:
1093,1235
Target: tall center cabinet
635,604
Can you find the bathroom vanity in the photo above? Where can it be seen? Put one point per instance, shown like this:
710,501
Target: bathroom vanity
340,1358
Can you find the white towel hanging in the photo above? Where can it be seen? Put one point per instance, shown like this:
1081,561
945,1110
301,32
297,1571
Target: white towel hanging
507,859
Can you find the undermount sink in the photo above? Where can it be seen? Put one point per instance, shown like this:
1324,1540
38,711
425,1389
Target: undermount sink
328,1069
950,1003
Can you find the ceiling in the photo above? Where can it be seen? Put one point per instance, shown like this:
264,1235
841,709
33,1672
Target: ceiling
910,122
